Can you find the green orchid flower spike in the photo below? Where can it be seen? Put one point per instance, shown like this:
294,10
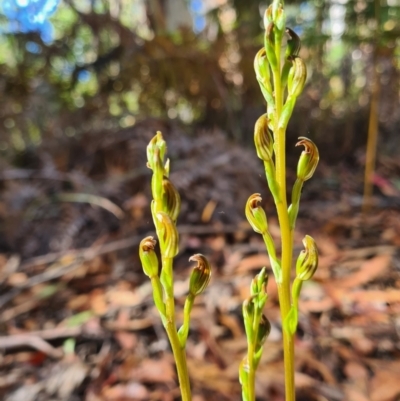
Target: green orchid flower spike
165,208
282,76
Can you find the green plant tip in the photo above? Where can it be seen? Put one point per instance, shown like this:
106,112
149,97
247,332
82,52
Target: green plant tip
259,283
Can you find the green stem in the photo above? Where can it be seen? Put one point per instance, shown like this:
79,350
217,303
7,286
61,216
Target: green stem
180,360
286,234
170,327
184,330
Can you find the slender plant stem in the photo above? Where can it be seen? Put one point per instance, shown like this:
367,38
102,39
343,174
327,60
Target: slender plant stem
170,327
286,235
180,360
252,373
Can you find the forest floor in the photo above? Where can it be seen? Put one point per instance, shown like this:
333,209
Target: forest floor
77,320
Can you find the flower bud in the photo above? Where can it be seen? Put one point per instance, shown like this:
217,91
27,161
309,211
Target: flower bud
148,257
268,16
263,139
307,262
169,238
297,77
200,276
158,173
293,44
167,166
308,159
270,46
255,214
264,329
261,68
259,283
248,316
280,19
157,142
171,200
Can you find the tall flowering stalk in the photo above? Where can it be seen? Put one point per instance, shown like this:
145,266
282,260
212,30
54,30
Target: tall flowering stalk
165,208
281,74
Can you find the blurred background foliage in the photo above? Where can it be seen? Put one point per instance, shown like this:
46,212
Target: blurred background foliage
100,66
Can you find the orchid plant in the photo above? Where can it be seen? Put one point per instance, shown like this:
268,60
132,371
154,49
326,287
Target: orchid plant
281,74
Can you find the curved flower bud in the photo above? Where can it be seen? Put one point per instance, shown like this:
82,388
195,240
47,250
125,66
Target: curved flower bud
297,77
263,139
201,274
255,214
148,257
169,241
264,329
259,283
171,199
293,44
308,159
307,262
261,68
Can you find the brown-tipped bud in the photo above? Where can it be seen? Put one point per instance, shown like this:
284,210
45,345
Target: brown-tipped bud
308,159
268,16
201,274
307,262
280,18
293,44
169,241
171,200
297,77
255,214
263,139
148,257
264,329
259,283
